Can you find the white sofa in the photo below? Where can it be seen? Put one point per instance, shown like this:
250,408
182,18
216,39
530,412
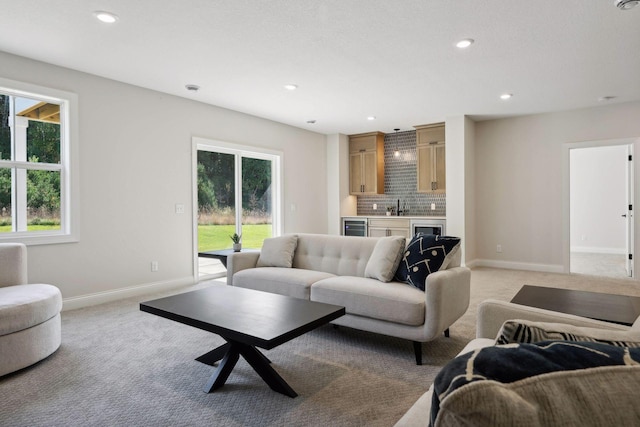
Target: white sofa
340,269
491,316
30,327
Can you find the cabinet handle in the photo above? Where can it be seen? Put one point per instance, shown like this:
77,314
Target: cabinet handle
433,142
362,150
433,185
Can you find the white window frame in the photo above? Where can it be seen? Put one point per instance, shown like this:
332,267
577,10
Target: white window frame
68,167
276,158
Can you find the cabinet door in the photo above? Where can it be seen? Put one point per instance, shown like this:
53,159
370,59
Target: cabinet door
425,168
355,173
404,232
370,172
377,232
439,175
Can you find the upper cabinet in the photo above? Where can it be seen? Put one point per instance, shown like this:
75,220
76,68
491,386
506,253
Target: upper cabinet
366,163
430,151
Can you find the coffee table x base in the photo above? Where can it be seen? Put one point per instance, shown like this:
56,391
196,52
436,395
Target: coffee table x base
230,353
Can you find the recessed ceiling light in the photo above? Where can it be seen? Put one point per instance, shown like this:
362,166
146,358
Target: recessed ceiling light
626,4
192,88
465,43
606,98
506,96
291,87
106,17
371,118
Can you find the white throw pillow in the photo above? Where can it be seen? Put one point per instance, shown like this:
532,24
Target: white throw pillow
278,251
385,258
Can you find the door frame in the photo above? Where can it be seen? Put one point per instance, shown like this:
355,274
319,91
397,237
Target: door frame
566,193
275,156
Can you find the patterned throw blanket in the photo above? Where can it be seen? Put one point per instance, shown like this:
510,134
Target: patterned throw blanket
514,362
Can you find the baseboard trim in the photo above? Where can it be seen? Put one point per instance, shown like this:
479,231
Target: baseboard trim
597,250
509,265
122,293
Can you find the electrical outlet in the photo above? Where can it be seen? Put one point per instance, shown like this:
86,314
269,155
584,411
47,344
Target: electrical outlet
499,249
154,265
179,208
375,206
433,206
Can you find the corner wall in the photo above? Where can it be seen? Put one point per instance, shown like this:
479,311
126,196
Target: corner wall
519,180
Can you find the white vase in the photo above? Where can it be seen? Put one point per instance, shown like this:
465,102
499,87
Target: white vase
237,247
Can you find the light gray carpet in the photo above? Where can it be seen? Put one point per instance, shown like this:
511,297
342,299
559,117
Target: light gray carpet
119,366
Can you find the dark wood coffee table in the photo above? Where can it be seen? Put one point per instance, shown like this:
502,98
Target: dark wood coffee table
622,309
246,319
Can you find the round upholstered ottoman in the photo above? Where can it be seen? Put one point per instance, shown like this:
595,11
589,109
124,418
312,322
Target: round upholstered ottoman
29,325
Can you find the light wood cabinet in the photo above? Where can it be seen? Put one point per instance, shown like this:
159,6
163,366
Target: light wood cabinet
383,227
366,163
430,150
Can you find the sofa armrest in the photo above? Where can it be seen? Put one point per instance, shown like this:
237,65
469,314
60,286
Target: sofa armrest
447,294
493,313
238,261
13,264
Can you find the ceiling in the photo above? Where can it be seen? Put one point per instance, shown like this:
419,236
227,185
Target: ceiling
395,60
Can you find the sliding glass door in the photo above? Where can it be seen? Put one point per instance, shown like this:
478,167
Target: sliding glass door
237,192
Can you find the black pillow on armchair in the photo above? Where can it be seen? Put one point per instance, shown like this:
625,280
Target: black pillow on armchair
426,254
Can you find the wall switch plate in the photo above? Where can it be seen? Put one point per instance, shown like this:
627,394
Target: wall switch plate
154,265
499,249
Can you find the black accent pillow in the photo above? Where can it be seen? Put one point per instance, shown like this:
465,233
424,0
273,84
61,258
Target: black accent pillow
426,254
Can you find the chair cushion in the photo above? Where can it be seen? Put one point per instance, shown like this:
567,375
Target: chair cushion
395,302
537,384
293,282
25,306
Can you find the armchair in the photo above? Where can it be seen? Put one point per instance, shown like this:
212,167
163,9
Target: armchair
30,327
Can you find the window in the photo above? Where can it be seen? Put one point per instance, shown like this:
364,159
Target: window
35,175
237,192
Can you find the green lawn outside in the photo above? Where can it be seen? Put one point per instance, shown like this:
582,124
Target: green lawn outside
210,237
7,228
214,237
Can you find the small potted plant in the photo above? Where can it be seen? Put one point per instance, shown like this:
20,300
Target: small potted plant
236,242
390,210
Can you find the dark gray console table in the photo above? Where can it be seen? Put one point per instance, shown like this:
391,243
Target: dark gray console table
621,309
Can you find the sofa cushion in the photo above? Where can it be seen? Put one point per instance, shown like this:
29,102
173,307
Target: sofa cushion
426,254
24,306
278,251
528,382
339,255
293,282
393,302
384,260
524,331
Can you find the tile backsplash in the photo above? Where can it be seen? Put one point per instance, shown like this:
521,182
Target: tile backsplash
400,181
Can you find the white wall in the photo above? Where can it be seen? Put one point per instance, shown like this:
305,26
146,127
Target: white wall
339,202
519,180
135,165
598,199
459,148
